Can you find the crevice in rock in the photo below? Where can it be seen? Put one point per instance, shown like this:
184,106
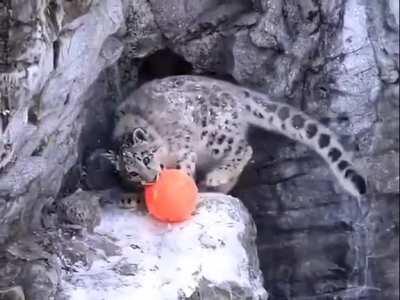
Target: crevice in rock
5,24
4,110
56,53
39,149
32,116
161,64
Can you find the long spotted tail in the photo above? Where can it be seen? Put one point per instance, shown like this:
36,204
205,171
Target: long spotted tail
294,124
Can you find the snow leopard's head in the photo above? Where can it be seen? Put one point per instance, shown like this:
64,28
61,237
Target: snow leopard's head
138,157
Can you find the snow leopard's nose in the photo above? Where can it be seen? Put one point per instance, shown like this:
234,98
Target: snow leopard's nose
151,176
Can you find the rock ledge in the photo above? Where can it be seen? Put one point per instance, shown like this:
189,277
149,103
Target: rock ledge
211,256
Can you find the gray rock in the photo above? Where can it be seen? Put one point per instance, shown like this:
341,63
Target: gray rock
125,268
384,134
80,210
224,291
141,37
13,293
65,65
383,172
211,256
177,16
40,280
45,118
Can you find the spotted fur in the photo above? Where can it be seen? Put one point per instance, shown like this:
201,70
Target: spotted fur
193,122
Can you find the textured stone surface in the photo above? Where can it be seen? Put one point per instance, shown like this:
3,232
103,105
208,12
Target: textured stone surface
14,293
211,256
65,65
47,105
50,55
80,209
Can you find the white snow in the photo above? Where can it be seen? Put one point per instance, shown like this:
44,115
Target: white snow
170,258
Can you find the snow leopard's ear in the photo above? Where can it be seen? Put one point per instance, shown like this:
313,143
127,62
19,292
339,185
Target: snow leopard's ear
139,135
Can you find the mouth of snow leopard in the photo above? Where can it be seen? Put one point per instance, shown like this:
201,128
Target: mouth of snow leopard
149,180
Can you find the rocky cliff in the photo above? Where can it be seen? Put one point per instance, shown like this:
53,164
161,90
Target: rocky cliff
64,65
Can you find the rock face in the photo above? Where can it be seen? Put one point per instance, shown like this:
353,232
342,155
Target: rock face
64,65
50,59
211,256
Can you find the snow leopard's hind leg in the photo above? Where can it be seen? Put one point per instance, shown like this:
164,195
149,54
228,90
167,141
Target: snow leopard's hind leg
224,176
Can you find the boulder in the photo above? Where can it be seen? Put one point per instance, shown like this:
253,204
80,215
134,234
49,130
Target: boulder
211,256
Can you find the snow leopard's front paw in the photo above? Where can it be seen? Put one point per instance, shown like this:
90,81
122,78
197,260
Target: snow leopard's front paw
217,178
131,201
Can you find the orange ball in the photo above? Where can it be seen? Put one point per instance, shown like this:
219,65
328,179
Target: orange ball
173,197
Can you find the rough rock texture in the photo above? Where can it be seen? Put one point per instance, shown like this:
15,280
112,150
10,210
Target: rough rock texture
48,67
50,55
211,256
65,64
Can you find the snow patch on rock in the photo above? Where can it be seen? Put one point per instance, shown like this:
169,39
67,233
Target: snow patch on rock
168,261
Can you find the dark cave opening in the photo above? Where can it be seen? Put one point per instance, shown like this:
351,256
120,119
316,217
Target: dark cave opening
161,64
165,62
